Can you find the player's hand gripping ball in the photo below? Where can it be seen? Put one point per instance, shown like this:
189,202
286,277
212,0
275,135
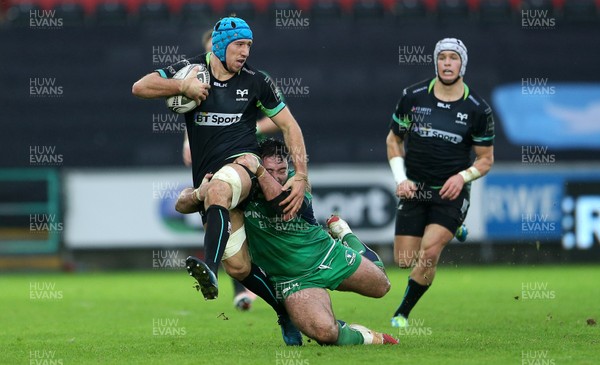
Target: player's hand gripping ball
180,103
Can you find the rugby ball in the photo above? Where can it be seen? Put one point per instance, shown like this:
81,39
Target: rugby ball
182,104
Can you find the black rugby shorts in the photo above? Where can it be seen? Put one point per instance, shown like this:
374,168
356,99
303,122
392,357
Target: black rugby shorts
427,207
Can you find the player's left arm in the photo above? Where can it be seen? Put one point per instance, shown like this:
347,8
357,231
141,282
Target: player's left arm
292,135
274,195
483,164
273,106
266,126
482,138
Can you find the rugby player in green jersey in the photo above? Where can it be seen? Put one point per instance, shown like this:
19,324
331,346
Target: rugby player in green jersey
301,259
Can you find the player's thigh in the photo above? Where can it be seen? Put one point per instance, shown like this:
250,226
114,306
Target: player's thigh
443,219
434,240
310,309
406,250
368,280
449,213
411,220
411,217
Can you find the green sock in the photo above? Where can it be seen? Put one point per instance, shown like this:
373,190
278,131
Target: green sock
348,336
354,243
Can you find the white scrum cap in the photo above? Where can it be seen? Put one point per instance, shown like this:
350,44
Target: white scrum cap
455,45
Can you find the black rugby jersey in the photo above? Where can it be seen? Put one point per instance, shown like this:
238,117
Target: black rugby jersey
439,135
224,125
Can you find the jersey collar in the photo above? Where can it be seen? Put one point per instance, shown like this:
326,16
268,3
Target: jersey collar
208,62
434,80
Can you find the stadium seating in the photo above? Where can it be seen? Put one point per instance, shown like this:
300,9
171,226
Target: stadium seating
410,9
110,14
580,11
452,10
368,10
72,14
243,9
18,14
281,5
541,5
325,10
153,12
494,11
148,12
196,13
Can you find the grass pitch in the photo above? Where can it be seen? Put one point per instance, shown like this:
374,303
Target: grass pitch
471,315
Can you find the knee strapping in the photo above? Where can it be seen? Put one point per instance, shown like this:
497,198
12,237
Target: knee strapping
229,175
234,244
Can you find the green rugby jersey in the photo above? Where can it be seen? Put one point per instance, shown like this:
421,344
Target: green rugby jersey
285,249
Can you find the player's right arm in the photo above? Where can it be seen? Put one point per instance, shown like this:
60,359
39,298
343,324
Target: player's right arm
160,83
399,126
154,86
190,200
187,202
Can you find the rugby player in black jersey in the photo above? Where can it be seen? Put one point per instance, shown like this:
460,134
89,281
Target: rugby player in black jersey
437,124
221,130
242,297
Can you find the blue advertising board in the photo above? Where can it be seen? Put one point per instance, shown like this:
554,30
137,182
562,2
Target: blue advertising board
526,206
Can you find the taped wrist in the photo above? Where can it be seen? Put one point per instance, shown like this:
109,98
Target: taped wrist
470,174
198,197
397,165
